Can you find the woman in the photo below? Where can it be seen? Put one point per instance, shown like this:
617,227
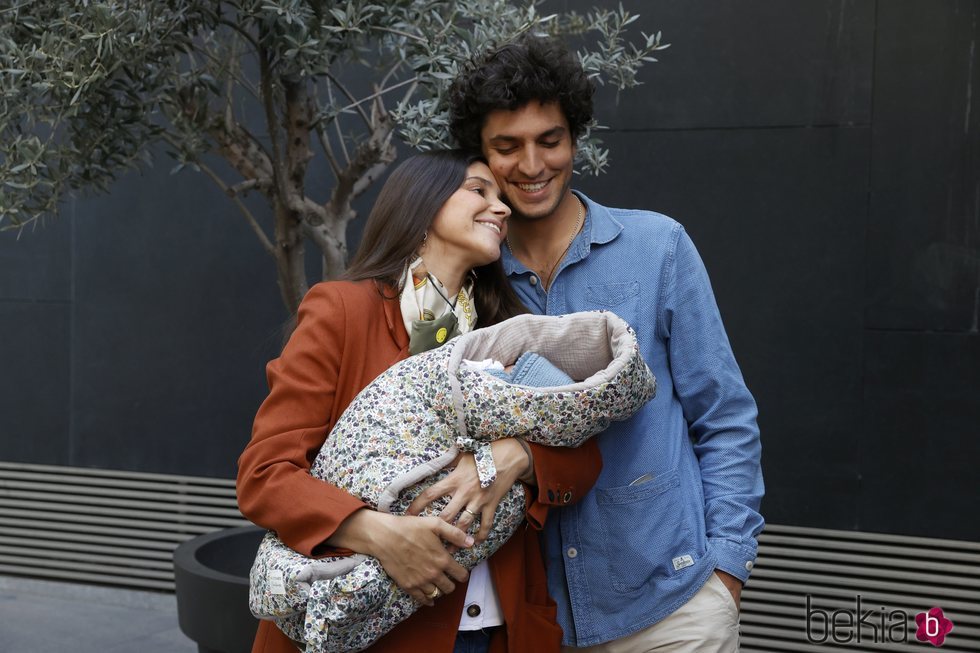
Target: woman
428,257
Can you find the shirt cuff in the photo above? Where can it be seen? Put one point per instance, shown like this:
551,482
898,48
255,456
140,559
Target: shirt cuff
733,558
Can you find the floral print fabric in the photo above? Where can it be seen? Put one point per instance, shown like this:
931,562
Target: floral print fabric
400,432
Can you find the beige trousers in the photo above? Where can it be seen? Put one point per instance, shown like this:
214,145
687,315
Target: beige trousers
708,623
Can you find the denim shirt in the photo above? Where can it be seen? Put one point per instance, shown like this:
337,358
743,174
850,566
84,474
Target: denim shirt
681,482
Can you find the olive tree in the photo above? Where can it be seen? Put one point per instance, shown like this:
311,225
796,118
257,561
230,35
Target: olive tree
88,87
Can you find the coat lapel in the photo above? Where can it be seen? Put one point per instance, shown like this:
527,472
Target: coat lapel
396,327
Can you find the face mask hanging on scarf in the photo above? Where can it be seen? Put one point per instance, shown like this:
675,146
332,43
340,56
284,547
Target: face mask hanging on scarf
429,334
418,303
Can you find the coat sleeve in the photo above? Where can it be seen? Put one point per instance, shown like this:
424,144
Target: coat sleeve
564,475
275,488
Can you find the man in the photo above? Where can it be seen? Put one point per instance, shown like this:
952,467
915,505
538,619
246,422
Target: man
655,556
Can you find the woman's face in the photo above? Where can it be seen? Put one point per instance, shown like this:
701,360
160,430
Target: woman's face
470,226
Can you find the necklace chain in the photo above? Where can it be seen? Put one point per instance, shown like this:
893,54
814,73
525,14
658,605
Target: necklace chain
578,225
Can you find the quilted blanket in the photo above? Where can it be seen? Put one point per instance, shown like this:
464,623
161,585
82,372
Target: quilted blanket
402,430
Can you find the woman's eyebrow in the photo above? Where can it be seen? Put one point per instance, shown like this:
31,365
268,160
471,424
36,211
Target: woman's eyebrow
482,180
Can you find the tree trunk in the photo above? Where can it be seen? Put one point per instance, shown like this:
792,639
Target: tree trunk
330,236
290,258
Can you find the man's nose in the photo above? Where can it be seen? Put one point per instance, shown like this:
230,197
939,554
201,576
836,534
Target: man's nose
531,164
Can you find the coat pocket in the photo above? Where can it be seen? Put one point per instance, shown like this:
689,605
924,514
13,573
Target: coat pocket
647,531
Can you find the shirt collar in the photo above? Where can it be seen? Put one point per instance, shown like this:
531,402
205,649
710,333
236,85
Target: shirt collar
600,226
604,227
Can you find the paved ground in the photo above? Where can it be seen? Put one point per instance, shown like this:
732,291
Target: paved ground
38,616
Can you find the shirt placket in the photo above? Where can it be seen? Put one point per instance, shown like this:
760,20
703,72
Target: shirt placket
573,556
555,298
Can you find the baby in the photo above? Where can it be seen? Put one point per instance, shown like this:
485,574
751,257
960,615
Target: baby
531,369
399,434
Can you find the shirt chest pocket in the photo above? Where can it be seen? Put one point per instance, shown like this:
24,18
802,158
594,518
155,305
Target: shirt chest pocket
621,298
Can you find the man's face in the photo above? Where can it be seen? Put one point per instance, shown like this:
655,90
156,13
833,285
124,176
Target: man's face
530,152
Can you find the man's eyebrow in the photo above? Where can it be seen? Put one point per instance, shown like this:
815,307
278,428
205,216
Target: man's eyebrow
557,130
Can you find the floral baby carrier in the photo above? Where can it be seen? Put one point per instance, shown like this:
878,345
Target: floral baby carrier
397,436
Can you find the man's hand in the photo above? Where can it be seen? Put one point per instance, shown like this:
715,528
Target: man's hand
466,497
734,586
411,550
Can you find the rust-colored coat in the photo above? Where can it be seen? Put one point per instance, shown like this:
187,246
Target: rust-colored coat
346,335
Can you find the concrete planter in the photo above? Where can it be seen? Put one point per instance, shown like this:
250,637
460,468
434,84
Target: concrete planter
211,575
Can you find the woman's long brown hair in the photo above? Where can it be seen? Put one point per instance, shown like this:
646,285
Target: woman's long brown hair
404,211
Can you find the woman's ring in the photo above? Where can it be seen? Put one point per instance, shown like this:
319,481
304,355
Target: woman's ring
472,514
434,594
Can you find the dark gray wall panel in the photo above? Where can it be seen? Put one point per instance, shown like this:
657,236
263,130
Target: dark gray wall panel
924,245
774,215
920,446
36,391
739,63
162,306
35,263
177,313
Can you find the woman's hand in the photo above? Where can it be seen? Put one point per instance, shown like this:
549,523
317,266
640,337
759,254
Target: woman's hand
411,550
467,499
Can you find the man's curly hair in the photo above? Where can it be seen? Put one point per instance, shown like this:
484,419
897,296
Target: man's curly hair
510,76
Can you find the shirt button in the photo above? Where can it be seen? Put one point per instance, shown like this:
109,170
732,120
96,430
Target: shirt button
473,610
551,496
533,280
572,552
567,497
749,565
